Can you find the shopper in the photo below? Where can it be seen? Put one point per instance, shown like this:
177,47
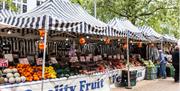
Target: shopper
175,61
163,62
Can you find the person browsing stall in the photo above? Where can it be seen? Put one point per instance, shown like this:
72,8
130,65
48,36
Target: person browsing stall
163,63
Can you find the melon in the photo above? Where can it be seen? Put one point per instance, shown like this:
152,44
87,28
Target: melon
11,80
9,70
9,75
5,71
23,79
5,80
16,75
14,70
18,79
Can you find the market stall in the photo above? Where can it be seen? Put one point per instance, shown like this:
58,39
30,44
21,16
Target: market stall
132,32
41,26
158,42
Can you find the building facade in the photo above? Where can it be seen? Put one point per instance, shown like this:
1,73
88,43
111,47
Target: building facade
23,5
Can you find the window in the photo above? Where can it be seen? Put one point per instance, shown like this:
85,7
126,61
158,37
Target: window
24,8
1,6
6,6
19,7
38,3
24,1
19,0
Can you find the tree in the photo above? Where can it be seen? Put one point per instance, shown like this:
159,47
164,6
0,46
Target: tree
162,15
10,4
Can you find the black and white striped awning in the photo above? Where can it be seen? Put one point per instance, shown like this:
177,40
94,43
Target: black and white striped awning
125,26
61,16
150,33
169,38
6,13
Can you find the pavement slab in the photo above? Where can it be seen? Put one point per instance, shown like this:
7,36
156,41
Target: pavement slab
152,85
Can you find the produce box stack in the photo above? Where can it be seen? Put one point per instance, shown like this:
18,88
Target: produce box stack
170,70
132,77
151,70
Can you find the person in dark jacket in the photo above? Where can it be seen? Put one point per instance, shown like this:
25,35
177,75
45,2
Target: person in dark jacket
175,61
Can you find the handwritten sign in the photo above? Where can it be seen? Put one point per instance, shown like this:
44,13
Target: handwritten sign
105,55
82,59
88,58
39,61
73,59
23,61
118,56
95,58
110,56
3,63
114,56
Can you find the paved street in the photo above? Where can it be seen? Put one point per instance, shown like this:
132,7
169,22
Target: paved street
153,85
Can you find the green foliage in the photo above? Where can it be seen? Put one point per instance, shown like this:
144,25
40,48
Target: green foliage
10,4
162,15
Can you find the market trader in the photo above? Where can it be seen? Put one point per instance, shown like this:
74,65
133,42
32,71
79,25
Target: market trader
163,62
175,61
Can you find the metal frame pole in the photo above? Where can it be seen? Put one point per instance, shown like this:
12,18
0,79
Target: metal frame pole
44,58
129,82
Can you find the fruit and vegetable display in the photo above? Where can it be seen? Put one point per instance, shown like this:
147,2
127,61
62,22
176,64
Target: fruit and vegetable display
66,67
11,75
135,61
34,73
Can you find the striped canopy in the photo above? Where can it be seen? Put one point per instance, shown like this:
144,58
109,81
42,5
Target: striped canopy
150,33
62,16
124,25
6,13
169,38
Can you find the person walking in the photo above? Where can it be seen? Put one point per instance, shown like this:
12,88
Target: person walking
163,62
175,62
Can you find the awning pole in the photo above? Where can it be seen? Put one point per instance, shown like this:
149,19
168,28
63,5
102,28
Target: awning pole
129,83
44,58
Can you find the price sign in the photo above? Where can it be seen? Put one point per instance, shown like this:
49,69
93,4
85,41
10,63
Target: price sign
4,63
95,58
23,61
38,61
118,56
73,59
90,55
88,58
110,56
99,57
82,59
105,55
114,56
122,56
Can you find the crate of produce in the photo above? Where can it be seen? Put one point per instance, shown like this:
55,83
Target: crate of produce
170,71
132,74
151,70
151,73
151,76
133,77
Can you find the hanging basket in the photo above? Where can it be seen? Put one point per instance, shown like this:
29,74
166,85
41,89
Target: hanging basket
41,32
107,40
140,44
82,41
41,45
125,46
